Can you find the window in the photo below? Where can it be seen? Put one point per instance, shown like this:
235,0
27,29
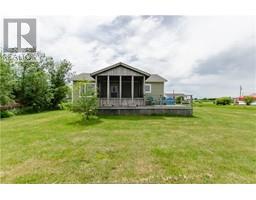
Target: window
147,88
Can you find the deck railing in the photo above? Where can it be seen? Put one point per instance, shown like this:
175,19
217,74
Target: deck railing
103,102
187,100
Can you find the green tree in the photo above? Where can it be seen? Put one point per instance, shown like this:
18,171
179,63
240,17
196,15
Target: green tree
248,100
33,86
59,77
6,79
87,103
34,79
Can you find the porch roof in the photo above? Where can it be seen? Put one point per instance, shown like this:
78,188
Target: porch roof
123,65
155,78
83,77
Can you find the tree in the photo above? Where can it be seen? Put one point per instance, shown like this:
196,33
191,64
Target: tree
87,103
248,100
33,88
59,77
34,80
6,80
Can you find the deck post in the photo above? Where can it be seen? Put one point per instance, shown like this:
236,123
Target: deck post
143,91
108,86
120,90
132,87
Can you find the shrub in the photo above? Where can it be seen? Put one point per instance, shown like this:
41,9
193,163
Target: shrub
65,105
86,104
223,101
6,113
179,99
248,100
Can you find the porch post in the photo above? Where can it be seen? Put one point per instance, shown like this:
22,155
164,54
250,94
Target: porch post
96,84
132,88
108,90
120,90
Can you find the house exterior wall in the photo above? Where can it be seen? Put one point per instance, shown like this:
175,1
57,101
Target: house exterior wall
157,90
76,88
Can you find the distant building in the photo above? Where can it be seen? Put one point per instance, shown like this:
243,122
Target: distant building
240,100
174,95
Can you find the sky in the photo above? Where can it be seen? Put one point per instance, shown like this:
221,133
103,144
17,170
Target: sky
206,56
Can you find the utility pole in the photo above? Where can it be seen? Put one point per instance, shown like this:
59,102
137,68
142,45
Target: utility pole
240,91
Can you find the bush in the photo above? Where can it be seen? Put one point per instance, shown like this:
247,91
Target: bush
223,101
86,104
65,106
6,114
248,100
179,99
25,110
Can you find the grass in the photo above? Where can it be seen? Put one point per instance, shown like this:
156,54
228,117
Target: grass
217,145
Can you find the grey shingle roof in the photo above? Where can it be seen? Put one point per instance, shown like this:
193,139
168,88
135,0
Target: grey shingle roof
155,78
83,77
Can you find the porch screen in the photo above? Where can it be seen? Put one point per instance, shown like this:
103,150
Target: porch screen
126,87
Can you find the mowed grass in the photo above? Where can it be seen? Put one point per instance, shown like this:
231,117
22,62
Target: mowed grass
216,145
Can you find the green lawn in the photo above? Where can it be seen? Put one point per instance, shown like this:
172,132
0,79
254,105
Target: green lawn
217,145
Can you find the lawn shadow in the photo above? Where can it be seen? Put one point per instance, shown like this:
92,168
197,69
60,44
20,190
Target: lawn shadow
88,122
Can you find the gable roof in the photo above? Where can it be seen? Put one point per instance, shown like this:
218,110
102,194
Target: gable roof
83,77
155,78
117,65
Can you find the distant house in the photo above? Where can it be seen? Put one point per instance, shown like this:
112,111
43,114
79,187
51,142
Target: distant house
120,85
240,100
174,95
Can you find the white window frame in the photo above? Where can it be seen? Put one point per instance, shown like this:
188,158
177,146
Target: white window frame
149,88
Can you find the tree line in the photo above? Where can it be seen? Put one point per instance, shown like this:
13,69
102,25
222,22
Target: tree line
34,81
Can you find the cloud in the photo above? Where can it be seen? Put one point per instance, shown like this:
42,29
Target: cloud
238,60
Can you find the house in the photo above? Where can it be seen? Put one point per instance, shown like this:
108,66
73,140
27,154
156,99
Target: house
120,85
123,89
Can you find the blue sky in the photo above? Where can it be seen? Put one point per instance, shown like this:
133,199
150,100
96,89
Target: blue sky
204,56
